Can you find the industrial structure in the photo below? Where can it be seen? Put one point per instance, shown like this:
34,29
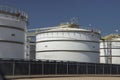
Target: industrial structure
31,46
13,25
67,42
110,49
66,49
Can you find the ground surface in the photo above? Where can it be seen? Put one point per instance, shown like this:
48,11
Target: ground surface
74,78
65,77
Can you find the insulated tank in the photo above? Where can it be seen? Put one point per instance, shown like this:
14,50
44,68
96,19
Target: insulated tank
13,24
68,42
110,49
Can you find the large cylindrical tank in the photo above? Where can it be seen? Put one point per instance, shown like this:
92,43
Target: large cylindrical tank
68,42
13,25
110,49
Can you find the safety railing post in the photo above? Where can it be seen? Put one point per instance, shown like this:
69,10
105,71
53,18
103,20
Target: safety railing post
29,68
56,68
42,68
77,68
67,67
13,68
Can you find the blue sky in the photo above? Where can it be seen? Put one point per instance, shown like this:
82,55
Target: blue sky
101,14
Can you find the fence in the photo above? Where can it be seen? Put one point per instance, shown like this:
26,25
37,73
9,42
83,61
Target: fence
21,67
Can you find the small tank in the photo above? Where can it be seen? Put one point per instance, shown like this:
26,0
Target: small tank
110,49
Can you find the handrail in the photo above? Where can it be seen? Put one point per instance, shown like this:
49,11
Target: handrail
50,28
6,9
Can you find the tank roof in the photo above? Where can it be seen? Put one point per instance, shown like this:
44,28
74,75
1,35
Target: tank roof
111,36
70,27
62,27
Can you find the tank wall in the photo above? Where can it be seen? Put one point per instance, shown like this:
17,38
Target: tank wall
67,45
12,34
114,44
68,35
12,22
69,56
115,60
102,59
115,51
11,50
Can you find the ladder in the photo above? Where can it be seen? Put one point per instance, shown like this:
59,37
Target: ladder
109,52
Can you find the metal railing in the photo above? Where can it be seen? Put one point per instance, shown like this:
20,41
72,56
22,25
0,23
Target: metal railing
10,10
33,32
22,67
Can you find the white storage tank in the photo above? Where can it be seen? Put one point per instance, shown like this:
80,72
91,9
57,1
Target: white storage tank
110,49
68,42
13,24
